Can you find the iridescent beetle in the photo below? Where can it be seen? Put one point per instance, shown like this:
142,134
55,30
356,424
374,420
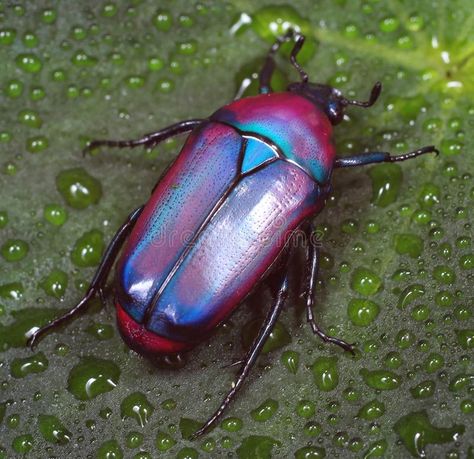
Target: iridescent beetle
223,215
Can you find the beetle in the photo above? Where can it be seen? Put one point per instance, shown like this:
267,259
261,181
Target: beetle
223,215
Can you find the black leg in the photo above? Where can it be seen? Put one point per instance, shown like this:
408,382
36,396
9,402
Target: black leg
252,355
148,140
99,279
269,66
312,260
381,157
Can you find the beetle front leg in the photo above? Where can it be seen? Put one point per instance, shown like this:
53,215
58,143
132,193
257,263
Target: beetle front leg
251,356
312,260
148,140
381,157
97,282
268,68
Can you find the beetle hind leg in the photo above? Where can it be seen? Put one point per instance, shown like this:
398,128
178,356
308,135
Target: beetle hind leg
97,283
312,260
251,356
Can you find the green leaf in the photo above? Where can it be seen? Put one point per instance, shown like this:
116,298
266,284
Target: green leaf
399,236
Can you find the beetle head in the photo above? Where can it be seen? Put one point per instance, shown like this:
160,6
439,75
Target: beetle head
330,100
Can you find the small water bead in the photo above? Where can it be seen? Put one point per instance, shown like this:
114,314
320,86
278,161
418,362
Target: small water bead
444,275
467,261
185,20
23,443
78,188
444,298
187,48
351,394
405,42
49,16
165,85
13,421
423,390
420,312
53,430
135,81
404,339
138,407
30,118
365,281
55,283
37,144
30,40
389,24
91,377
78,33
265,410
37,93
381,379
312,429
325,372
155,63
386,182
88,249
376,449
290,359
362,312
110,450
429,195
14,88
169,404
415,23
61,349
100,331
164,441
109,10
22,367
162,20
351,31
7,36
59,75
55,214
393,360
232,424
467,406
305,408
463,242
29,63
466,338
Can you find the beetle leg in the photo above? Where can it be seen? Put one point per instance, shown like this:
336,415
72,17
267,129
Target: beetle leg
148,140
312,260
97,282
251,356
381,157
268,68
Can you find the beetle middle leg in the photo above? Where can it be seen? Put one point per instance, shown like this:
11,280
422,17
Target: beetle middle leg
312,261
97,282
148,140
269,66
254,352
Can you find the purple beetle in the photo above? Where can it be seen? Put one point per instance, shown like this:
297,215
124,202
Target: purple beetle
221,218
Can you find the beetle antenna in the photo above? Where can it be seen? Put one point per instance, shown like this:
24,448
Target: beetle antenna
296,49
374,95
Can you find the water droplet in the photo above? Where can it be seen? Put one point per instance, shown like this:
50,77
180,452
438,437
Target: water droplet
325,372
91,377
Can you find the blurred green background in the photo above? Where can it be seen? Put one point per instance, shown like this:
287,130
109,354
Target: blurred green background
397,273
